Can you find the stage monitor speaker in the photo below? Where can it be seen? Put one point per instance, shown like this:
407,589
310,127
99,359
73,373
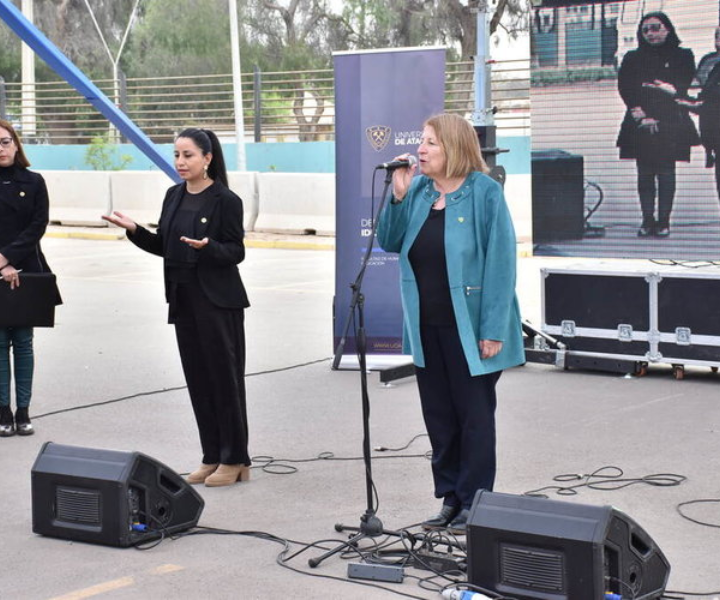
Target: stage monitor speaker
539,549
108,497
558,196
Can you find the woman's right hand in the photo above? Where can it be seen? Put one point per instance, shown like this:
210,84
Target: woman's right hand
650,125
11,275
637,113
121,220
402,177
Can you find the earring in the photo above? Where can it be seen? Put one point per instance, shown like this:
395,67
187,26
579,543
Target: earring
205,176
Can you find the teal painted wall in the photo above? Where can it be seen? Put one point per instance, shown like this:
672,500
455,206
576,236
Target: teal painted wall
298,157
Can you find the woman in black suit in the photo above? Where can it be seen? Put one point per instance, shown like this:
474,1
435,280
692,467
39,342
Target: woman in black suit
23,219
200,237
656,132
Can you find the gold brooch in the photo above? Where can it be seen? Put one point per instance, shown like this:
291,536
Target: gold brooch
461,219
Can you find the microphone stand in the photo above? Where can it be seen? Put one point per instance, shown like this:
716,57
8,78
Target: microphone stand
370,525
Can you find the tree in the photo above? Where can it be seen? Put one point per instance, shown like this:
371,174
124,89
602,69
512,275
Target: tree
68,25
179,37
400,23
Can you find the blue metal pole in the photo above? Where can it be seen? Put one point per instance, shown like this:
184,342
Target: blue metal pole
46,50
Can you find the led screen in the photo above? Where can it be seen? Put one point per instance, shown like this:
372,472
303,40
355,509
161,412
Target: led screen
625,105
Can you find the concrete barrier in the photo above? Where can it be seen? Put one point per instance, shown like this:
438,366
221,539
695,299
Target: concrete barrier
139,194
82,197
296,203
245,185
78,197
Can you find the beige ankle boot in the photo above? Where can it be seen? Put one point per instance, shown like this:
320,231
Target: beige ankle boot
201,473
227,475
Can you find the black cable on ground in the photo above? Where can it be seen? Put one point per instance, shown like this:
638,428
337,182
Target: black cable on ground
693,520
608,478
283,559
165,390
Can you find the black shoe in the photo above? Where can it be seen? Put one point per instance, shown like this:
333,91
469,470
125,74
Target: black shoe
458,525
7,424
662,231
645,231
22,422
447,513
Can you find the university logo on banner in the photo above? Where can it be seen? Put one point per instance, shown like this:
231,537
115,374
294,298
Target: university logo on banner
378,136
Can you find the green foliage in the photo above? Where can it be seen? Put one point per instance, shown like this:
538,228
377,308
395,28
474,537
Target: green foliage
180,37
102,155
9,54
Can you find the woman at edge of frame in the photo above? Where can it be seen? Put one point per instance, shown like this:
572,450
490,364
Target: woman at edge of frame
24,209
200,238
461,320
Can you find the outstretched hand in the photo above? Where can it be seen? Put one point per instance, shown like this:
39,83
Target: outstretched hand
689,103
663,86
120,220
197,244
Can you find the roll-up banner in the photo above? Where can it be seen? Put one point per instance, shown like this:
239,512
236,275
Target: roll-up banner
382,99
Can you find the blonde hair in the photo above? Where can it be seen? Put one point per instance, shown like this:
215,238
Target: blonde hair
20,158
460,143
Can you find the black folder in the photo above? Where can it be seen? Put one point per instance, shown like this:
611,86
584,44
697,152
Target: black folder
30,305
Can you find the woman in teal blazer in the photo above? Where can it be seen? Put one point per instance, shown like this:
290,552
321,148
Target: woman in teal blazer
453,232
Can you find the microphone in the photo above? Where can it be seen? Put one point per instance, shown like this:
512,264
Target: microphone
398,164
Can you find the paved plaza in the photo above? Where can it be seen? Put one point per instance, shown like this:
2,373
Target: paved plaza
108,376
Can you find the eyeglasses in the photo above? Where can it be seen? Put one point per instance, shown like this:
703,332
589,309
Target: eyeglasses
5,142
654,27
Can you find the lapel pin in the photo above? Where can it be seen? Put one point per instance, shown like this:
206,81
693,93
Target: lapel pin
22,194
203,220
461,219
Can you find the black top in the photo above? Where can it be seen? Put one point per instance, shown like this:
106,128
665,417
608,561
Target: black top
221,221
180,256
427,258
676,131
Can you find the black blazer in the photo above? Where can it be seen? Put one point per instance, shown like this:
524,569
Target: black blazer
221,221
24,209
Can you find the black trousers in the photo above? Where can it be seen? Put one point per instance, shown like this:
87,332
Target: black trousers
459,413
647,174
212,350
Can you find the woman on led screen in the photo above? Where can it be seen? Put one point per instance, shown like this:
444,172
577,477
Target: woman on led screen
656,131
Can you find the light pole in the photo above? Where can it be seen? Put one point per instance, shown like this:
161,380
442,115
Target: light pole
482,115
237,86
115,60
28,114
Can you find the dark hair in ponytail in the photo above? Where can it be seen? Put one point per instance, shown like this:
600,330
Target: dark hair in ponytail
208,142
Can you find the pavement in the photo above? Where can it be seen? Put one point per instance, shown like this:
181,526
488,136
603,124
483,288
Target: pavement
108,376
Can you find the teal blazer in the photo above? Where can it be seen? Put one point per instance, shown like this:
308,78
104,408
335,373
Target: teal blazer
481,255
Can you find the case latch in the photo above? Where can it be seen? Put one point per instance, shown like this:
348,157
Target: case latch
625,332
683,336
568,328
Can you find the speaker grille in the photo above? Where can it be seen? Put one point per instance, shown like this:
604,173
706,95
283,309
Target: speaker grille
533,569
75,505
